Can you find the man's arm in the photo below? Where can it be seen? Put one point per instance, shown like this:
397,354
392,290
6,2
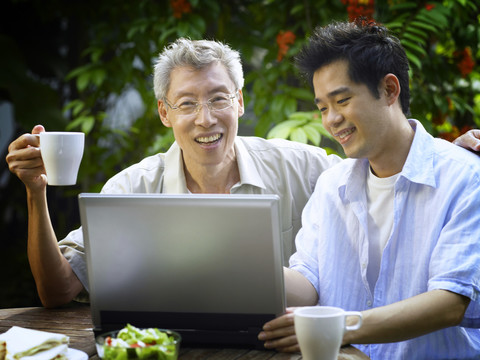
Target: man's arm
56,283
470,140
410,318
299,291
416,316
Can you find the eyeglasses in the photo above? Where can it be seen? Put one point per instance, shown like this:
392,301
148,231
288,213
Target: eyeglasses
217,103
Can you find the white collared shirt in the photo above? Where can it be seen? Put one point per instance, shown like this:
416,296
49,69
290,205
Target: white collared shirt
276,166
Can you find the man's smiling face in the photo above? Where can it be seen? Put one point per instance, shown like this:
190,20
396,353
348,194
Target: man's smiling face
350,112
207,137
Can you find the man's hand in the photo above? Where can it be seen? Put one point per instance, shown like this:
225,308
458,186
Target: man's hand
470,140
279,334
25,161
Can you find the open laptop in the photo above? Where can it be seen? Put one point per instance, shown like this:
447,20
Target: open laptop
207,266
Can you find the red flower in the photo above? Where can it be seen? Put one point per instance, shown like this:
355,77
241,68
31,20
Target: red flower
357,8
180,7
454,133
284,39
466,63
429,6
450,136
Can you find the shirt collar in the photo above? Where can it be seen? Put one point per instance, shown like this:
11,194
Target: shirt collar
418,167
246,166
174,175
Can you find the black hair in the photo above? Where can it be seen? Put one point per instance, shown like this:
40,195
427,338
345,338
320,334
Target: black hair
370,50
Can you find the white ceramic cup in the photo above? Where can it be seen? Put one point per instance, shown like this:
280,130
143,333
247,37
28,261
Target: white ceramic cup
62,153
320,330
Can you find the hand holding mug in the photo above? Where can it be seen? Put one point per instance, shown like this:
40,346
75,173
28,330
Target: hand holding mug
320,330
62,153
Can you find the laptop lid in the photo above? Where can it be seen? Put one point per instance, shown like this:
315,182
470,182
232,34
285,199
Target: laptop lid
207,266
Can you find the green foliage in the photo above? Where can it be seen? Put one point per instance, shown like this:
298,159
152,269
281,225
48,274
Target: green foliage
434,34
118,42
304,127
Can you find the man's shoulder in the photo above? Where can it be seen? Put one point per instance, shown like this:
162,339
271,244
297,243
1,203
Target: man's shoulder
258,145
149,163
452,155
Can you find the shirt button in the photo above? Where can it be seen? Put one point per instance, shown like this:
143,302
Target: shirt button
364,266
369,303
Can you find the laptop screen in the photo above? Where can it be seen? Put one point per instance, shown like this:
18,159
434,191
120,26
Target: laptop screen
207,266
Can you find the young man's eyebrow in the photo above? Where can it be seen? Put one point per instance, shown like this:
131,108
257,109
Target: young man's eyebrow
333,93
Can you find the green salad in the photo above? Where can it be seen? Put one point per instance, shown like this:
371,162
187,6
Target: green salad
135,343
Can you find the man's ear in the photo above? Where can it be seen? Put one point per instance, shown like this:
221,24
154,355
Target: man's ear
391,88
241,108
162,111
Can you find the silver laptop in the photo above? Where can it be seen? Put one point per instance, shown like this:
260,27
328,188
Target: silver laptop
207,266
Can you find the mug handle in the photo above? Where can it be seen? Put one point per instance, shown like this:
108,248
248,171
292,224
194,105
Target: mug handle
358,324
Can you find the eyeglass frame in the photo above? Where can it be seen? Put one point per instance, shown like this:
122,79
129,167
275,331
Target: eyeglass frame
200,105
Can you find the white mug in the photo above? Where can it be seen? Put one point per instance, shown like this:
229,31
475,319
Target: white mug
62,153
320,330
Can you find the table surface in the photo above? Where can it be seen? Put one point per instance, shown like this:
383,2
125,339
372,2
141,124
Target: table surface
75,322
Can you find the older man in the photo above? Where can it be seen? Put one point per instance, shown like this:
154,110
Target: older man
198,85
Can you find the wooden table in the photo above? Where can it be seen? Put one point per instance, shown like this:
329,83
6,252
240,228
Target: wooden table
75,322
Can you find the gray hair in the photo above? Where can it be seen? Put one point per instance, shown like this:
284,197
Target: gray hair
197,54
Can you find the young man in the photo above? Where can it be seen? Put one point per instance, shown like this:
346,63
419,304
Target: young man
394,231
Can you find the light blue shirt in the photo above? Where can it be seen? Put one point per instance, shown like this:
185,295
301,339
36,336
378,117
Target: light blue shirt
434,244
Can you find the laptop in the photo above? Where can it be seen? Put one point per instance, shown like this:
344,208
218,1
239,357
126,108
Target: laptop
206,266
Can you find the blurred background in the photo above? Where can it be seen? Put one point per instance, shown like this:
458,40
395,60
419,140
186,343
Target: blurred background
87,66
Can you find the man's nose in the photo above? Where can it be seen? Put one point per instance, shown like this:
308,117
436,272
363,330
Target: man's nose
204,116
332,119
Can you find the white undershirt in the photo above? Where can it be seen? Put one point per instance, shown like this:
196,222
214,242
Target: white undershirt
380,194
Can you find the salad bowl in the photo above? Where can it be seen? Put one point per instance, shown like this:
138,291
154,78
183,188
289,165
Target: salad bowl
135,343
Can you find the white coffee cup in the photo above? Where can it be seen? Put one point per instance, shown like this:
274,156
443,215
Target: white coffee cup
320,330
62,153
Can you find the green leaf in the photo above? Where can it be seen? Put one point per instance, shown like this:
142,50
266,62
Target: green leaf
407,35
290,106
413,59
299,135
78,71
312,134
84,122
427,20
279,132
421,33
412,46
291,123
296,9
300,115
76,105
82,81
199,23
395,24
435,16
98,76
318,125
423,26
278,105
88,124
302,94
